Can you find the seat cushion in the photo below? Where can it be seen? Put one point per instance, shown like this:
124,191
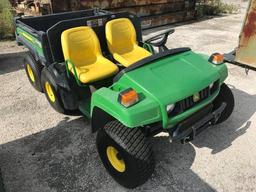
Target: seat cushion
120,35
129,58
122,42
99,70
81,47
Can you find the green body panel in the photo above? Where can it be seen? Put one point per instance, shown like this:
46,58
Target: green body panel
143,113
31,40
162,82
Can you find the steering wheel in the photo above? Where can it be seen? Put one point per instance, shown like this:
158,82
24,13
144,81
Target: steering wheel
160,40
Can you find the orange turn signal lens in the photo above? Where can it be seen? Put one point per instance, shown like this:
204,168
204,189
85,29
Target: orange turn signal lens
128,97
217,58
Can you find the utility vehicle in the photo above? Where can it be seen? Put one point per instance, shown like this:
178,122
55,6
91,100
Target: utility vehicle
95,62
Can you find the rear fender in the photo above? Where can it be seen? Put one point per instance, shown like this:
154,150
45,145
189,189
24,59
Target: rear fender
61,84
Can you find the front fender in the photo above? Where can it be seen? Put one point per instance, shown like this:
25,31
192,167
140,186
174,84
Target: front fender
222,69
146,111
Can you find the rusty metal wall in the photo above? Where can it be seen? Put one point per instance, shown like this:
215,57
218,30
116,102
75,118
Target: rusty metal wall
152,12
245,52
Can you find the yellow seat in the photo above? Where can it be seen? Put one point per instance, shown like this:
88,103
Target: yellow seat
81,47
122,42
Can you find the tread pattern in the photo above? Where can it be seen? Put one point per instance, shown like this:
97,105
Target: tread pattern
226,96
37,68
133,141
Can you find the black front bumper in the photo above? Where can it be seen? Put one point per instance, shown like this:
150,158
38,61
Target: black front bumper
188,129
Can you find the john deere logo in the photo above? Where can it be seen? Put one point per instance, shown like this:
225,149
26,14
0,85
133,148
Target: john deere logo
196,97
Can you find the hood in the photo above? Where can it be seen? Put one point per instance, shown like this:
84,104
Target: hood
172,78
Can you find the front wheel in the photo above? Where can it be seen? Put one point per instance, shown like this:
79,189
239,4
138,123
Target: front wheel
225,95
125,153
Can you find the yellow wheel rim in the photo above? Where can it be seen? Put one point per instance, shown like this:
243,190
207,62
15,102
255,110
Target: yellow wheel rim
116,162
30,73
49,91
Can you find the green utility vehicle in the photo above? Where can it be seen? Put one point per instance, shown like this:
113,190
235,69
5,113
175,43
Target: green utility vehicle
95,63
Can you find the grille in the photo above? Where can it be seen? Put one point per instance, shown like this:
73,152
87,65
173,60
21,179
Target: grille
189,102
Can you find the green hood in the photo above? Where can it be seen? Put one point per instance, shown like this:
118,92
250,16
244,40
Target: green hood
164,81
174,78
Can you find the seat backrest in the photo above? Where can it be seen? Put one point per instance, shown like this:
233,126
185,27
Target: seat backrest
80,45
120,35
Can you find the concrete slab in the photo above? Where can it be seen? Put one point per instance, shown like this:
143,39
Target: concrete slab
1,183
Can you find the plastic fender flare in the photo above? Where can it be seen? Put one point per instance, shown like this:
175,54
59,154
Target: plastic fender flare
222,68
58,78
61,85
102,115
99,119
145,112
223,71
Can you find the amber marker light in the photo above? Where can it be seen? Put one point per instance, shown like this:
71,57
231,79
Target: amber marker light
217,58
128,97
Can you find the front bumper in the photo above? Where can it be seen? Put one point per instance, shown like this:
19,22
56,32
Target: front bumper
188,129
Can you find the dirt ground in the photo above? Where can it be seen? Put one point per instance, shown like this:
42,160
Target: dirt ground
8,47
43,151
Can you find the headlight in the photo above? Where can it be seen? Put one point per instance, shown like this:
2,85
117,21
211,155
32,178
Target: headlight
211,85
128,97
170,107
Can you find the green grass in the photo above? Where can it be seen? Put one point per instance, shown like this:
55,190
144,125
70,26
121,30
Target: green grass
6,20
214,7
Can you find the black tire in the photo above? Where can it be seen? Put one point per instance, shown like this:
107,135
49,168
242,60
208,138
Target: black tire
56,103
133,149
33,70
225,95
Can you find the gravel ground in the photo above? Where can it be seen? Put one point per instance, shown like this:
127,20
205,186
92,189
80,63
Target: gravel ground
8,47
43,151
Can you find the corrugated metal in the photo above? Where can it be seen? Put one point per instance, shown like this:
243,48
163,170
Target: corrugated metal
245,52
152,12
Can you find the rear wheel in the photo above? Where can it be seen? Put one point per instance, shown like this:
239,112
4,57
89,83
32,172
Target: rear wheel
125,153
52,93
33,70
225,95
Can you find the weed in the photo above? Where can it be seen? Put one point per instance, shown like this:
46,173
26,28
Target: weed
6,20
214,7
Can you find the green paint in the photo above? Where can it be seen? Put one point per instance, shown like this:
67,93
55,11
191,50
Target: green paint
148,47
69,62
160,83
33,41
